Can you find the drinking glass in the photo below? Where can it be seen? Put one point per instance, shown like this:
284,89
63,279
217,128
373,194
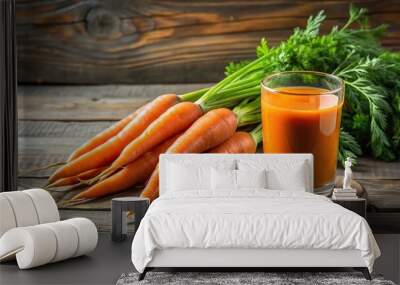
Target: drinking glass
301,113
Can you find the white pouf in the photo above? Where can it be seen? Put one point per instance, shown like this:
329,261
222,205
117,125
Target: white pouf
46,207
7,218
87,234
40,244
23,209
67,240
26,208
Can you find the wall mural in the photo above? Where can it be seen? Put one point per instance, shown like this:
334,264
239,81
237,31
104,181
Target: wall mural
105,89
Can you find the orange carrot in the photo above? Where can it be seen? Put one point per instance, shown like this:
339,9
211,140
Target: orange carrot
240,142
103,136
210,130
73,180
133,173
151,190
174,121
107,152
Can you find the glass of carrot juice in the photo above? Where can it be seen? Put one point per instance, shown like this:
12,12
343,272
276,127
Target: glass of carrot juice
301,113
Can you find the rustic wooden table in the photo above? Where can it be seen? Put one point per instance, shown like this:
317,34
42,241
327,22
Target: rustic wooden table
53,120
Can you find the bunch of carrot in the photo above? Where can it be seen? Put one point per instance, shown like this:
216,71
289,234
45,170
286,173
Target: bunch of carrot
127,153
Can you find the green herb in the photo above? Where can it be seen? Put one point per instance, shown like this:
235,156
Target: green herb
257,134
348,147
371,75
249,113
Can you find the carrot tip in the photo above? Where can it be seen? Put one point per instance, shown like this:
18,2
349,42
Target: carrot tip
86,181
103,175
74,202
46,167
63,188
108,173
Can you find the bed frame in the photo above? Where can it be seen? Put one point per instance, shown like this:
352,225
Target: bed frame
242,259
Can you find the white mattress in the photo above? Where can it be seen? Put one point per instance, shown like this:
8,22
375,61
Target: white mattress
252,219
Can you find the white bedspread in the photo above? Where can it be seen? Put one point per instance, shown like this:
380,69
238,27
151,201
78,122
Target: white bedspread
250,219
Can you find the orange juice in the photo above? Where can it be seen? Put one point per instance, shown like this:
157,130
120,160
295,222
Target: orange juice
303,120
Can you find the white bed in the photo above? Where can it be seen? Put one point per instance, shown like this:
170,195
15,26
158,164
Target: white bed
249,227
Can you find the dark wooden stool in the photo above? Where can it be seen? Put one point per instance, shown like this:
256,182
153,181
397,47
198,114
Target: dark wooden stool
119,208
357,205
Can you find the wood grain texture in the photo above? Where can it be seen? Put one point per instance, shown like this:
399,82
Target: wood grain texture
102,219
89,103
369,168
383,195
109,41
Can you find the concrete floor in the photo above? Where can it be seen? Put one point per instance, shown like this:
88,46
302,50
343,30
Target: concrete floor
103,266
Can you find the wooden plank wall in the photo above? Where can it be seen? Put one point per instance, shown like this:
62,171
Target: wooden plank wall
170,41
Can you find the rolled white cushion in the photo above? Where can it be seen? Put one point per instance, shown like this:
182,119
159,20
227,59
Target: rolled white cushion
26,208
46,207
23,208
7,218
33,246
66,238
40,244
87,235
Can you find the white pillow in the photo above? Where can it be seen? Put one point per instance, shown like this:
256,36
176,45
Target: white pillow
186,175
183,177
223,179
282,174
251,178
293,180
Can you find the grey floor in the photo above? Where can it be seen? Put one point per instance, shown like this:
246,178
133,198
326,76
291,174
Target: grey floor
103,266
110,260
